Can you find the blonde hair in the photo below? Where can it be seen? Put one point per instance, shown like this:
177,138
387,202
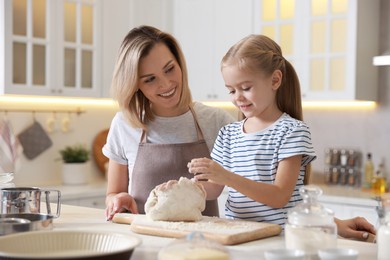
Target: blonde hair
260,54
124,86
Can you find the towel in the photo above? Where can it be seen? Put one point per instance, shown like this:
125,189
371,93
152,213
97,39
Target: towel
10,148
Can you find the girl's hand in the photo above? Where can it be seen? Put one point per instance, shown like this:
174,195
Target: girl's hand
120,202
205,168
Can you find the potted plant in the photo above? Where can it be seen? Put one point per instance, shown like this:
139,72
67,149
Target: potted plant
75,166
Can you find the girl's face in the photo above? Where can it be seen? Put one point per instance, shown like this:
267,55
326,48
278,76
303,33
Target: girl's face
161,80
253,93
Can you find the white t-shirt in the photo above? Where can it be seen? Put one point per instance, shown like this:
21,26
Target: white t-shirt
123,140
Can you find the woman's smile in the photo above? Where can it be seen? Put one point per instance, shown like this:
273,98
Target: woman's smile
169,93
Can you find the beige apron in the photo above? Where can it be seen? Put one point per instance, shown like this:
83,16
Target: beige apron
158,163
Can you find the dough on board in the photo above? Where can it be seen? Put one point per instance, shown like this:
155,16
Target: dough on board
182,200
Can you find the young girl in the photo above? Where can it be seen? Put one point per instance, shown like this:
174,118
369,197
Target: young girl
263,158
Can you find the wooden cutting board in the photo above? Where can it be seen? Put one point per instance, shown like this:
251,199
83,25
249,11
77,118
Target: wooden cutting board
224,231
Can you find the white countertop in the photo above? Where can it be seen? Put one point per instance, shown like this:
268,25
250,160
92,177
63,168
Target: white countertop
73,217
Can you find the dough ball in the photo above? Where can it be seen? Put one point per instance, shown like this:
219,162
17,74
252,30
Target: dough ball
182,200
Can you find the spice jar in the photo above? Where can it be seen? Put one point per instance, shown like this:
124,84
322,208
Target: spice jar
310,227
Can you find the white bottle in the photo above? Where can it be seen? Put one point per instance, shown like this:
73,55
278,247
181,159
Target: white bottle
310,227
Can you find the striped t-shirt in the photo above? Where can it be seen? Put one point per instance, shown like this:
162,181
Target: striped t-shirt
256,156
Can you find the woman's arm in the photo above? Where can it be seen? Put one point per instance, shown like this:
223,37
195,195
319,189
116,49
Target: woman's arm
355,228
117,197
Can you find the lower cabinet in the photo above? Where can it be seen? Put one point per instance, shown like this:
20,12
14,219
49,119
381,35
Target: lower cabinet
346,211
92,202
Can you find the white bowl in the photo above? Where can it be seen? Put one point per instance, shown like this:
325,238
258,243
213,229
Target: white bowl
338,253
63,244
284,254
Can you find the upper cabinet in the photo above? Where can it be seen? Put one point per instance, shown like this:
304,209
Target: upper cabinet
51,47
69,47
205,30
330,43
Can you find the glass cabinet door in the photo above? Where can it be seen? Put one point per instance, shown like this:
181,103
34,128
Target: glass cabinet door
78,51
51,47
277,21
30,43
328,46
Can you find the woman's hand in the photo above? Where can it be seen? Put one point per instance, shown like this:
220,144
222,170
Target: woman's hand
121,202
355,228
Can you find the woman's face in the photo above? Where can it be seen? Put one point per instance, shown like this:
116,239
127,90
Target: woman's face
161,80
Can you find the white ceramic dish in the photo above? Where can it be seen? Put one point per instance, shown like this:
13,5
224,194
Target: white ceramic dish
284,254
63,244
338,253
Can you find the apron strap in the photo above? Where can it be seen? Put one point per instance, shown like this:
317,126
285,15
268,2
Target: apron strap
198,130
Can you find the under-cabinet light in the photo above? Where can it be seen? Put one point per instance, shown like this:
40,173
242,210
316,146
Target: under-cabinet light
57,101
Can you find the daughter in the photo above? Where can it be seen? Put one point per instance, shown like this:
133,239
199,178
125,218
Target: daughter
263,158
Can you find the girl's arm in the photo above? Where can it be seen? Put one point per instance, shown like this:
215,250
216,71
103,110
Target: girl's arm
275,195
213,190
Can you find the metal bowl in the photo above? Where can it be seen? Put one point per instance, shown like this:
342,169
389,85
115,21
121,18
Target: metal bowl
68,244
22,222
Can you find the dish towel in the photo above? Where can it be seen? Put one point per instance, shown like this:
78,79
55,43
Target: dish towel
10,148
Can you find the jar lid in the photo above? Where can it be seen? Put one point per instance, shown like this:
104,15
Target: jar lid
310,212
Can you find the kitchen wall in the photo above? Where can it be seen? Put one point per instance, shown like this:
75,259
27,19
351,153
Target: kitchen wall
45,169
364,129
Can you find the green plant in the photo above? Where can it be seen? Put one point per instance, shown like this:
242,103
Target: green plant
75,154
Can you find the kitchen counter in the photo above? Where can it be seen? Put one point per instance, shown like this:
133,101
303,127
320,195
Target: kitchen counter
82,218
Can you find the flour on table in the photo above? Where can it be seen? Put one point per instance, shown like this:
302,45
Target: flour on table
182,200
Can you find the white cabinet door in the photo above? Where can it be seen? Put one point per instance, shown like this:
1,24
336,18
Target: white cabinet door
97,202
347,211
91,202
205,30
119,19
51,48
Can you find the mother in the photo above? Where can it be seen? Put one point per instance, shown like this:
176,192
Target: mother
159,129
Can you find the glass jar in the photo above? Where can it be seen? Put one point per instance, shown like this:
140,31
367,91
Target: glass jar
310,227
383,233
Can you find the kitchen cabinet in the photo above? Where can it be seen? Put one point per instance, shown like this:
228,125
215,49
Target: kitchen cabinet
345,210
91,195
348,202
97,202
330,43
119,19
51,47
205,30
